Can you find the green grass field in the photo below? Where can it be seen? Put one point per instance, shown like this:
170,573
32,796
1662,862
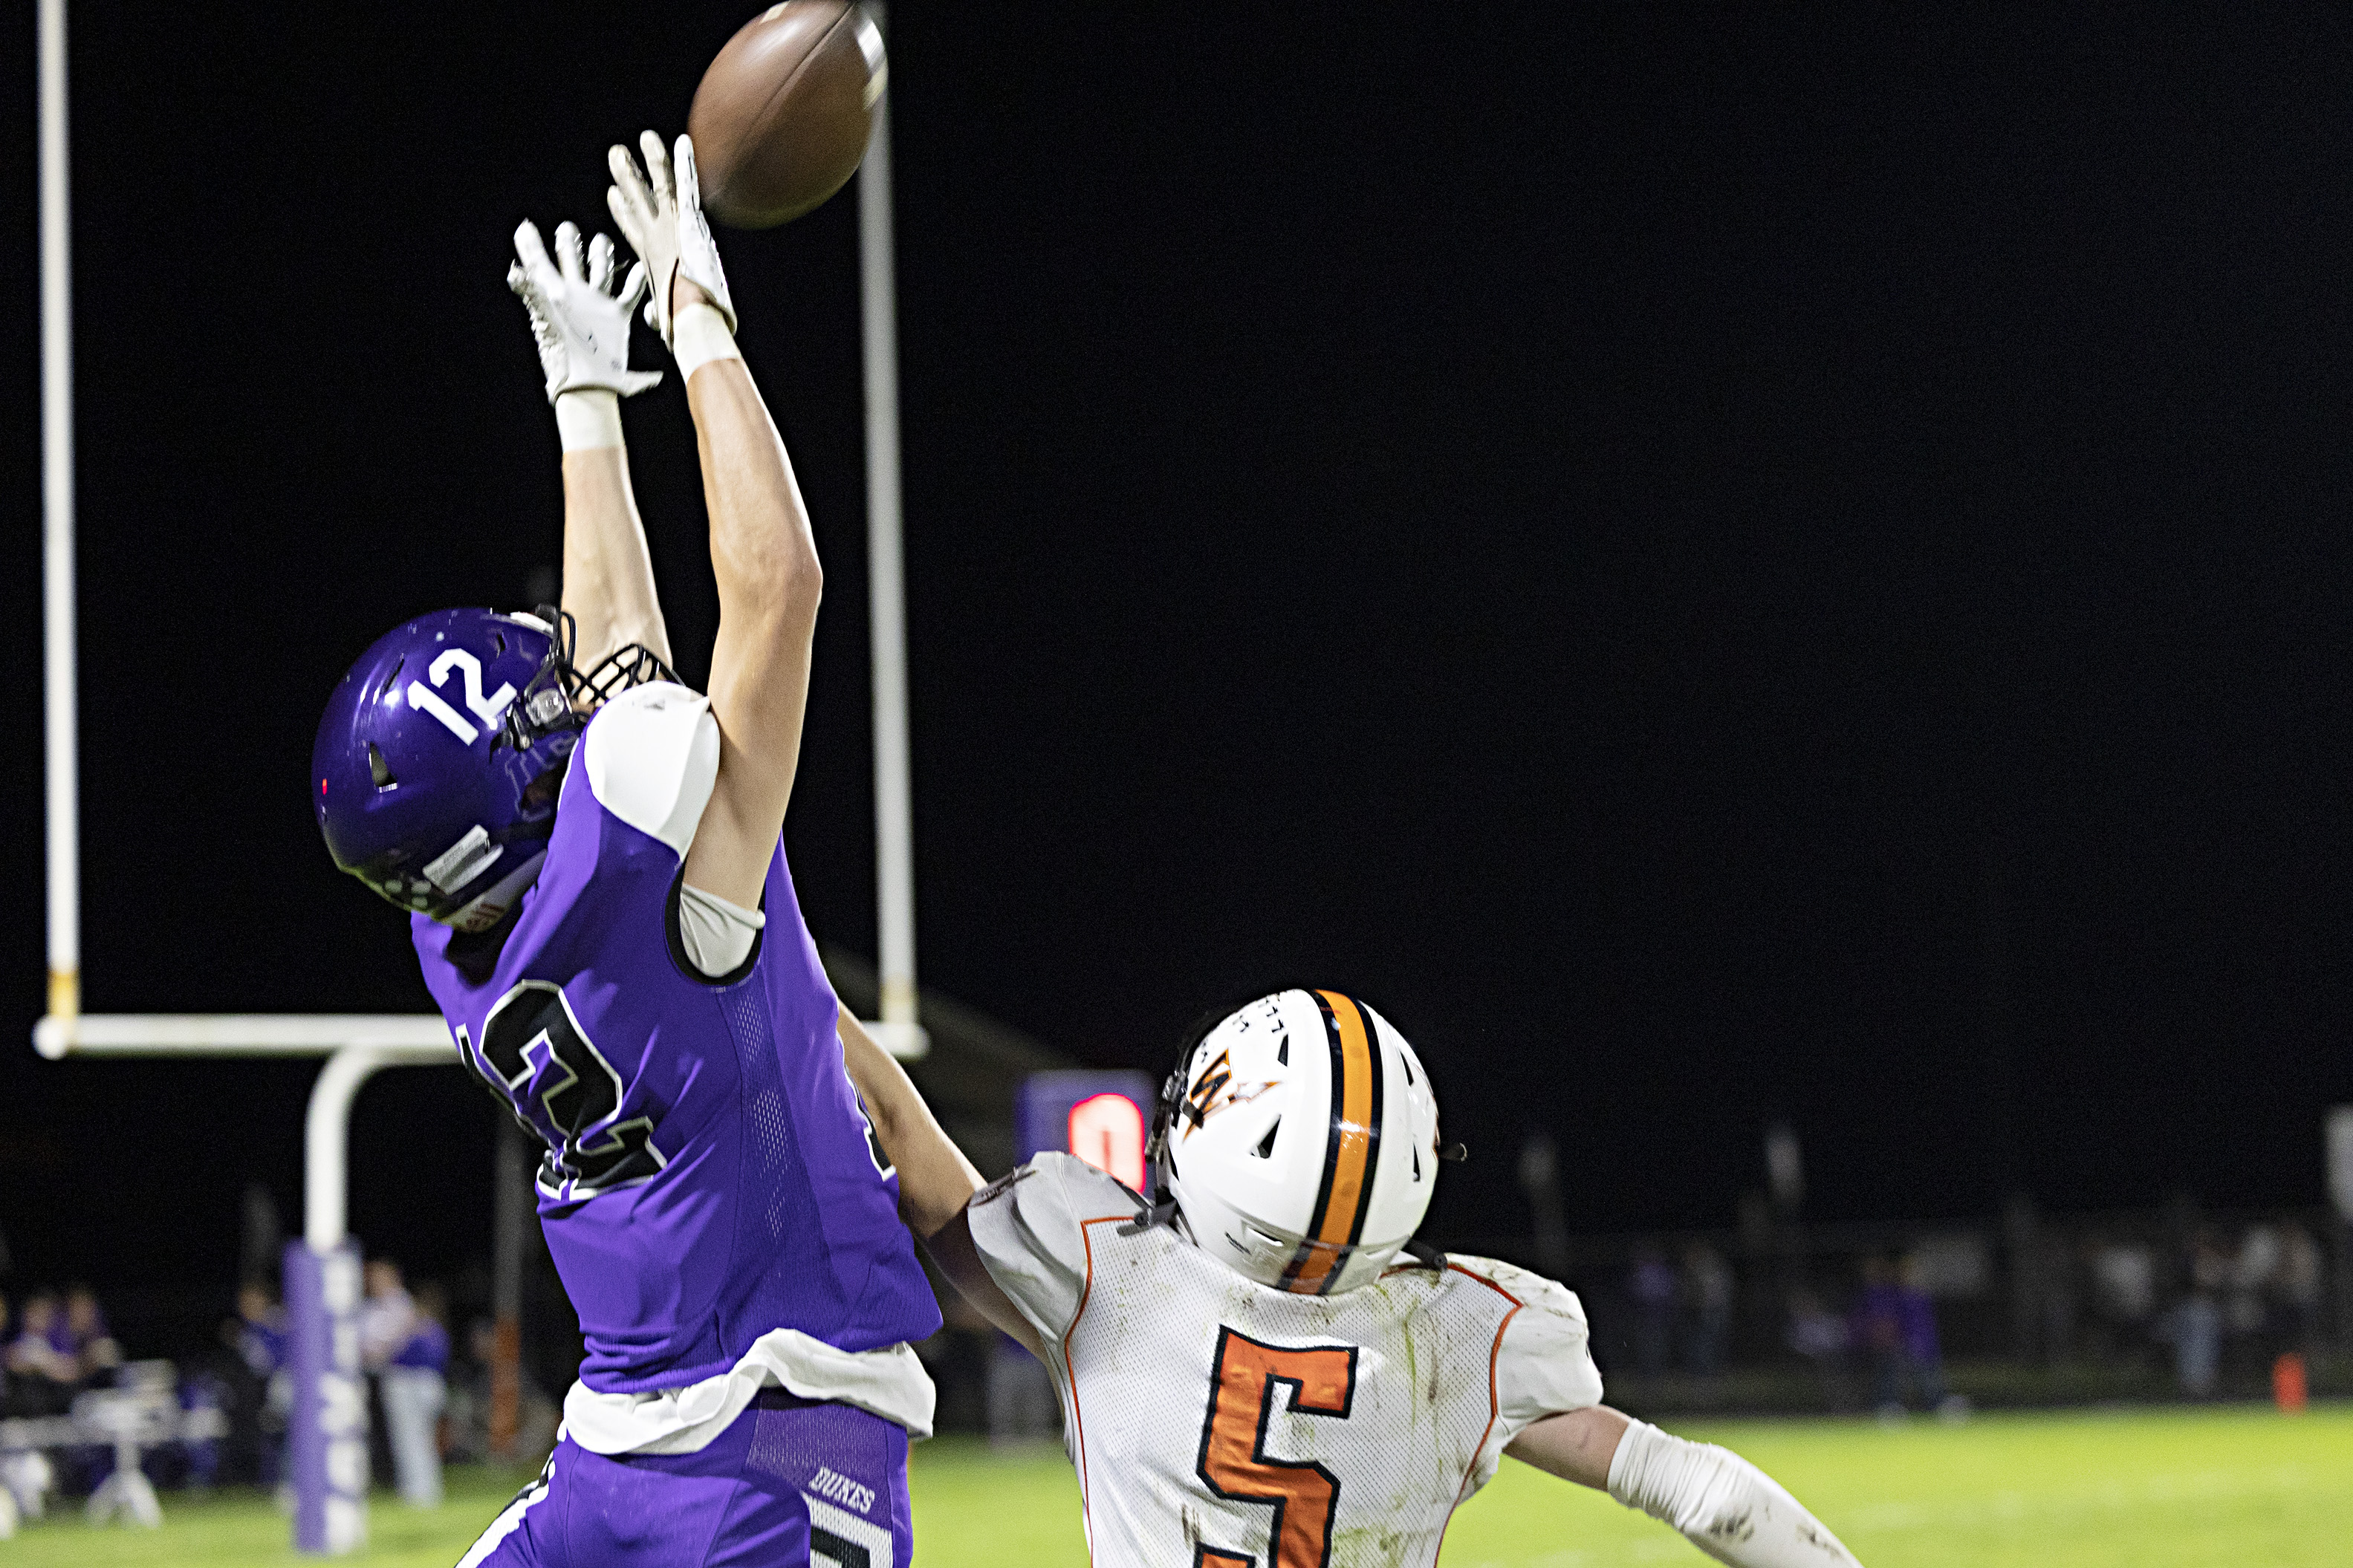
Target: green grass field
2147,1488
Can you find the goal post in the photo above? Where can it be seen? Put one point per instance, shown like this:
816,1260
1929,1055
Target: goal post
60,762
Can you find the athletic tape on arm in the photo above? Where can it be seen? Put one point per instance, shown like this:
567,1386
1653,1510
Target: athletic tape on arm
699,336
1720,1502
588,420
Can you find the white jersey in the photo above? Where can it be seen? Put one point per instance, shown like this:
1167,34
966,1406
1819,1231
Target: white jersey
1216,1423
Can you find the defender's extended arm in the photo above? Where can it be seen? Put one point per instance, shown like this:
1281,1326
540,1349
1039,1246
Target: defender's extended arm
936,1181
934,1178
1719,1501
581,324
762,550
958,1256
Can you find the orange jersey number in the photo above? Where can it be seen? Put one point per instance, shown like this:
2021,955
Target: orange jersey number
1323,1379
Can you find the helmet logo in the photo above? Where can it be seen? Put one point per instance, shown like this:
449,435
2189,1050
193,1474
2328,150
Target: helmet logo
1217,1091
488,708
1203,1097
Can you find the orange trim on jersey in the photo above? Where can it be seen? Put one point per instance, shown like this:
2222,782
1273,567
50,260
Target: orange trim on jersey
1070,1370
1494,1404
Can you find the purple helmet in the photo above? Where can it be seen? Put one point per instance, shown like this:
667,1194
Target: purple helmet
438,761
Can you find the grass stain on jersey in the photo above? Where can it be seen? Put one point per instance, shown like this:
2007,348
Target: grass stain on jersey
1367,1546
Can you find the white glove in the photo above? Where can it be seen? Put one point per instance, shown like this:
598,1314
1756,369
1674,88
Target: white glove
581,324
662,219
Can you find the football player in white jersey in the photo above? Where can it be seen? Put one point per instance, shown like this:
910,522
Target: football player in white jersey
1263,1370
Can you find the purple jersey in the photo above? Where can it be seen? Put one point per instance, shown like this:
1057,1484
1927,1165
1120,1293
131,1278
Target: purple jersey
709,1175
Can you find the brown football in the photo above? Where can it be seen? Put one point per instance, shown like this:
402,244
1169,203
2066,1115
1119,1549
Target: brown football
781,119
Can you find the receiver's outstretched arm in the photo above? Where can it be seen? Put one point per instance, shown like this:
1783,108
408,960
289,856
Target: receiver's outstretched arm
608,577
581,324
936,1181
765,558
762,550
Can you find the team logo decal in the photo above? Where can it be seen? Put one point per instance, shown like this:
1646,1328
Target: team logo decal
1216,1090
1214,1080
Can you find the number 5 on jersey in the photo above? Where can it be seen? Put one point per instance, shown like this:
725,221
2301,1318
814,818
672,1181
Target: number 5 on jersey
1234,1462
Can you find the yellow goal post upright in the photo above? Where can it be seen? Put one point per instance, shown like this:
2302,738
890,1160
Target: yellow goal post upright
331,1460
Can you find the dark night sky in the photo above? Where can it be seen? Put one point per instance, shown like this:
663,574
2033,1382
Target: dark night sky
1653,543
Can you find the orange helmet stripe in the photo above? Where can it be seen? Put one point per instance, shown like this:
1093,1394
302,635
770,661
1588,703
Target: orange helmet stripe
1351,1149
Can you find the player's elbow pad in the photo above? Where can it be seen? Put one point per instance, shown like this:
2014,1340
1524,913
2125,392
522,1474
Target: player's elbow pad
1723,1504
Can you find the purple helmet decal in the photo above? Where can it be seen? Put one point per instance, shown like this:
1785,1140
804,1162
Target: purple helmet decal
439,759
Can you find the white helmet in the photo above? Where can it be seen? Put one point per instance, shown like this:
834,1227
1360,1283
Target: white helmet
1299,1137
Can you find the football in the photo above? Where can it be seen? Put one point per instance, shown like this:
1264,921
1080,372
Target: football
781,119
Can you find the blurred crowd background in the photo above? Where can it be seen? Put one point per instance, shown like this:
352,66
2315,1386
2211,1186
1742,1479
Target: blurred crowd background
1770,1314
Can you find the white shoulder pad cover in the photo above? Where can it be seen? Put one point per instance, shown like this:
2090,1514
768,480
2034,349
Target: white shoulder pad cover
1029,1228
652,756
1544,1365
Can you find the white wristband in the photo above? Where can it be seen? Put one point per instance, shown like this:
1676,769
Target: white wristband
699,336
588,420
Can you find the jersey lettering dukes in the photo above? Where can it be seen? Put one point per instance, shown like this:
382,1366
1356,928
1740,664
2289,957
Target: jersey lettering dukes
1218,1424
710,1175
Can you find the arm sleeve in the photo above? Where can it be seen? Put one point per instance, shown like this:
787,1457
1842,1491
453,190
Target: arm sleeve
1027,1229
1545,1364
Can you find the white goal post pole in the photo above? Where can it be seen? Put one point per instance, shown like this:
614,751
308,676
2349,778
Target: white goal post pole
326,1146
355,1044
899,1033
58,524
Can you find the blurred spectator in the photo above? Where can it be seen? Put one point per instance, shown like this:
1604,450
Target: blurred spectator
466,1419
1707,1286
1924,1357
1894,1328
41,1375
260,1330
1876,1330
413,1394
2252,1274
2124,1281
2194,1323
263,1408
82,1335
384,1314
2300,1281
1819,1335
1653,1285
203,1389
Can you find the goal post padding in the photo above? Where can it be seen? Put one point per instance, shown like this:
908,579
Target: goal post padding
327,1438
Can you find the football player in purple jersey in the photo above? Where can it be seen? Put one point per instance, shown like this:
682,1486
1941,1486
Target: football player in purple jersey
592,859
